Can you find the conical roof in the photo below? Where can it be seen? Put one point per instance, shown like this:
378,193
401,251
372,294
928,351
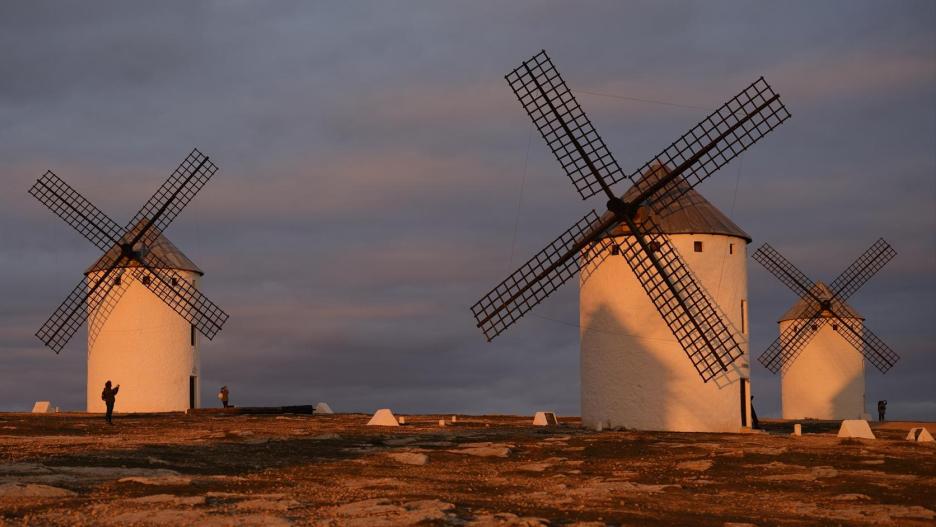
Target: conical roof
161,247
802,310
690,214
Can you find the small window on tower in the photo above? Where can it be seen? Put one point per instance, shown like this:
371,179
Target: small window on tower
615,250
655,246
730,248
117,281
192,333
146,280
175,281
834,327
697,246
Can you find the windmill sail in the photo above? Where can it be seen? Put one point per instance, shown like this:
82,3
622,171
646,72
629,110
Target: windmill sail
128,248
820,303
583,155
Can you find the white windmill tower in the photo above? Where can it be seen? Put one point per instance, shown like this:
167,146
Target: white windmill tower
824,342
634,371
674,294
141,297
138,340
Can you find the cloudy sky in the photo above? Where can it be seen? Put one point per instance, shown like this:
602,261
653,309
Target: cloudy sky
378,176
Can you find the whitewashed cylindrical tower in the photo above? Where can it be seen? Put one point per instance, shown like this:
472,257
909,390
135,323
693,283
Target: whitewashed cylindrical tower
634,372
137,341
826,380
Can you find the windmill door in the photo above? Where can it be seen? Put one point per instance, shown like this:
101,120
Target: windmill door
191,391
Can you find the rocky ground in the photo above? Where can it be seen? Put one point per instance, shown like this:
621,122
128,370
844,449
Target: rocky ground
72,469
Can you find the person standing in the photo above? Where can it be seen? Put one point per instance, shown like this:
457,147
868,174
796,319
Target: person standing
109,396
882,409
224,395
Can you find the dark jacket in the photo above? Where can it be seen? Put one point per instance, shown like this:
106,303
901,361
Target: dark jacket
109,394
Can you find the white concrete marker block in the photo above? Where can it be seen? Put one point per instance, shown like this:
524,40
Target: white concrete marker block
855,428
42,407
402,420
383,417
545,419
920,435
797,429
454,418
441,422
323,408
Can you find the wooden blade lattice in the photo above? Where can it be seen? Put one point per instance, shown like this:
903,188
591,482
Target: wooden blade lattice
538,278
180,295
77,211
173,196
866,266
72,312
784,349
711,144
563,124
689,313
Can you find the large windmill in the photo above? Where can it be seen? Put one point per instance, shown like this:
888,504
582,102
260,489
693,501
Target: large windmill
700,329
823,341
140,297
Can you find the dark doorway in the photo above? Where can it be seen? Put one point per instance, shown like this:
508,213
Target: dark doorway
191,391
744,419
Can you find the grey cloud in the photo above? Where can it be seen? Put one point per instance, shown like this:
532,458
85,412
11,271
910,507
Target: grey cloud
372,158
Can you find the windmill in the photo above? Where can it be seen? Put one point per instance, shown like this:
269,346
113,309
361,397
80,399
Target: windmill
140,297
823,341
690,315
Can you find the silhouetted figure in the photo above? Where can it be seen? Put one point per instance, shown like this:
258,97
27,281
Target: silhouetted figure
755,424
224,395
882,408
109,396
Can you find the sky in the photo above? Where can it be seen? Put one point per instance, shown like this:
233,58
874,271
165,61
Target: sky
377,176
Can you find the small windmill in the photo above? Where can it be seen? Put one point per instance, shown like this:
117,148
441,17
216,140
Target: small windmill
136,258
823,339
691,316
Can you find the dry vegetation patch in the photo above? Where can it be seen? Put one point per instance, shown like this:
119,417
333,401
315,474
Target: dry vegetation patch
71,469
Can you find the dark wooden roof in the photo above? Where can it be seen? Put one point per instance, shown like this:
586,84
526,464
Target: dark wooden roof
161,247
802,311
690,214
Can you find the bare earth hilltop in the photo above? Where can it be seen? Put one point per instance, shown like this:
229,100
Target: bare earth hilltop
172,469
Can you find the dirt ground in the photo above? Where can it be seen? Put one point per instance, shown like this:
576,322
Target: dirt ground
72,469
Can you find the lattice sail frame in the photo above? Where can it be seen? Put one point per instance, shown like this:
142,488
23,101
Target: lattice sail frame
687,309
93,293
76,211
864,267
548,269
98,316
59,328
565,127
783,351
720,137
175,194
181,295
